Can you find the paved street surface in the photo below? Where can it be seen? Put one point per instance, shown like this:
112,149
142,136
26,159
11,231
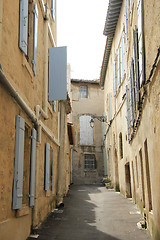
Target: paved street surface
93,213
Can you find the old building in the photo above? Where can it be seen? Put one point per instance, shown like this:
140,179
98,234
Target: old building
34,142
130,77
87,105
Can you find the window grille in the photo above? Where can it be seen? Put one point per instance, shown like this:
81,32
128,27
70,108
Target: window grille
89,162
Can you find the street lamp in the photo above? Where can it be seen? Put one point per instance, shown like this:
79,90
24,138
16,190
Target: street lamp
100,118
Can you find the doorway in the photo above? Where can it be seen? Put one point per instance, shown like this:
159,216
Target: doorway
128,181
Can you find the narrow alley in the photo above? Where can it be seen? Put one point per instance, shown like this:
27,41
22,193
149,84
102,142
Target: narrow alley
93,212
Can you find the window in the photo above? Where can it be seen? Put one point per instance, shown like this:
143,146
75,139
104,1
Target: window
24,165
89,162
120,145
84,91
28,31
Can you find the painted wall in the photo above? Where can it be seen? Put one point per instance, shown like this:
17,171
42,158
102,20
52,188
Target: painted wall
17,69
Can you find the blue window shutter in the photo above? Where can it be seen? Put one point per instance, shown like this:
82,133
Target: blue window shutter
110,106
33,168
52,184
18,164
54,106
133,88
140,41
57,73
122,58
126,13
47,166
35,11
23,26
114,79
119,67
127,107
136,68
53,9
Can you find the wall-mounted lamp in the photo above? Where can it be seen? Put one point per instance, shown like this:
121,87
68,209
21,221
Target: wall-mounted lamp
100,118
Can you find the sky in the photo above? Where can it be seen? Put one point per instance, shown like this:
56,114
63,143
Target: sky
80,25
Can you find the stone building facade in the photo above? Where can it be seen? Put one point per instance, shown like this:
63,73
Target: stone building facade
87,104
130,77
34,143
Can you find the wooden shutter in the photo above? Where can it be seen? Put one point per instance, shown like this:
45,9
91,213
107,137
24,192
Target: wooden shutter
110,106
34,61
132,95
52,184
23,26
122,58
141,42
114,79
133,88
136,66
33,167
86,132
126,13
18,163
127,108
47,166
119,67
57,73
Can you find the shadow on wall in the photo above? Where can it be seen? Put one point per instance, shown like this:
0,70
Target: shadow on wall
73,222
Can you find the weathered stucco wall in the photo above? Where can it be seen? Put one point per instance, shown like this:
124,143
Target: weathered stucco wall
92,105
17,70
136,159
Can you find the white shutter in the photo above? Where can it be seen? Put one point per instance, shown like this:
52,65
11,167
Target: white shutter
23,26
86,132
18,163
140,41
35,11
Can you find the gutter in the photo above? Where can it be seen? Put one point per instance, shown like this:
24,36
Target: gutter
114,8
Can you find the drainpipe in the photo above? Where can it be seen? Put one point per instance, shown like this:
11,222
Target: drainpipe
17,97
1,15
